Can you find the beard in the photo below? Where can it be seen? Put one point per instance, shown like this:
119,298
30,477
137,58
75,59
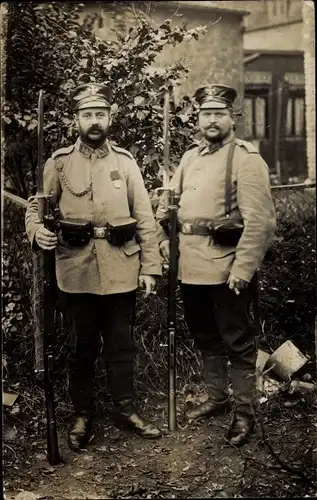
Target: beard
94,136
215,134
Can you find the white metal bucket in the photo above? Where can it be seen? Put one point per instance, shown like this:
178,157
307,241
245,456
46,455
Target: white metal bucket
286,360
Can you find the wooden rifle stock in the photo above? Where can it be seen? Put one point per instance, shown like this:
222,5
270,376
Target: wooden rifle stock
44,281
256,305
172,284
172,272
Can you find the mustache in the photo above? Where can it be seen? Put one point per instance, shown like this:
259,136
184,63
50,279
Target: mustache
95,128
212,126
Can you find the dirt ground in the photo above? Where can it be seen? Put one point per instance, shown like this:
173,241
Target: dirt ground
192,462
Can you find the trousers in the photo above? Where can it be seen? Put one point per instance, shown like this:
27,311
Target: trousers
219,321
92,318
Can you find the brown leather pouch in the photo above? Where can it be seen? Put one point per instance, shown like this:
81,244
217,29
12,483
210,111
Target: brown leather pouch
121,230
75,232
226,232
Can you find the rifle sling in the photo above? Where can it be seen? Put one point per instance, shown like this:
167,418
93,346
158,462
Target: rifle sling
228,180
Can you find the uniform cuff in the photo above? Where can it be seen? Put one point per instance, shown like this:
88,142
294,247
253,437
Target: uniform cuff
34,245
242,274
151,270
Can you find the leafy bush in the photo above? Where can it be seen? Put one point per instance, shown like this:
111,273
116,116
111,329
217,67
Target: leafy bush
288,273
49,49
16,298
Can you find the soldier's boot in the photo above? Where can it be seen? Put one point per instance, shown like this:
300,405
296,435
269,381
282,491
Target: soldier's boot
244,391
125,417
80,432
215,370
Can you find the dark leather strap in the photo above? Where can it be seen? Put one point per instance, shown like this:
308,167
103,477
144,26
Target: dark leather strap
228,181
194,229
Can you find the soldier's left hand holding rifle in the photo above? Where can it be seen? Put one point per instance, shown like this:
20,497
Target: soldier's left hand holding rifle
45,239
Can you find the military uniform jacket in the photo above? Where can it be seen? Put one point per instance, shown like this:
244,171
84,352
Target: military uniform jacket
99,186
200,182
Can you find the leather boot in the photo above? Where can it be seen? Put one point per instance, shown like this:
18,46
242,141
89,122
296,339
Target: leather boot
244,392
215,369
125,417
79,434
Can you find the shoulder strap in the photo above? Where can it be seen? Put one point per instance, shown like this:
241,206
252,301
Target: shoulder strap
122,151
228,180
63,151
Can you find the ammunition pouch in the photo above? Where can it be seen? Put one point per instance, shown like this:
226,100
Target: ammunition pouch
121,231
75,232
227,232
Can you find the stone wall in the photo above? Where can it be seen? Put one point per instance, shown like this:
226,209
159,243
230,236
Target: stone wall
284,37
217,57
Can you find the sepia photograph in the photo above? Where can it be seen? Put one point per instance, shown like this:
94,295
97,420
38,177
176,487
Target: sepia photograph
158,209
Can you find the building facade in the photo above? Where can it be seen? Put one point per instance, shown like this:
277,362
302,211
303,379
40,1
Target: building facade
213,58
256,46
274,105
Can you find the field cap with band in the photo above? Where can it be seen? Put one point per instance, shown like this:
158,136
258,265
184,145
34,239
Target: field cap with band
91,95
215,97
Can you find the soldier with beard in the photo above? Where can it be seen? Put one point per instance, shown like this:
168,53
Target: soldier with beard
106,248
216,262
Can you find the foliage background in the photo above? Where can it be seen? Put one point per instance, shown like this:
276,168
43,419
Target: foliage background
48,48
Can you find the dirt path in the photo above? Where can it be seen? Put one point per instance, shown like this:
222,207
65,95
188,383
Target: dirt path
193,462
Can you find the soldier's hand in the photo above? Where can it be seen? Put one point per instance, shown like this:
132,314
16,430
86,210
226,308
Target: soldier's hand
45,239
165,250
147,282
236,284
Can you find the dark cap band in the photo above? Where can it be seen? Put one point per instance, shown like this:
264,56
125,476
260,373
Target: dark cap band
92,95
215,96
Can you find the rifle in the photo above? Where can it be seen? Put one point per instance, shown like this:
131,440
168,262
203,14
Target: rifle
256,305
172,272
44,301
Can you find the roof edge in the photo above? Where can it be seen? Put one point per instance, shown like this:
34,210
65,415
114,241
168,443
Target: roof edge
174,4
290,53
272,26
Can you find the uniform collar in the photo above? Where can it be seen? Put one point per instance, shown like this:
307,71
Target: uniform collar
206,147
86,150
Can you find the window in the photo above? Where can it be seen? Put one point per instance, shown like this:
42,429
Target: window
273,7
255,112
295,116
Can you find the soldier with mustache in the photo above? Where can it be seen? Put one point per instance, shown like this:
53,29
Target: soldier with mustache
106,248
223,237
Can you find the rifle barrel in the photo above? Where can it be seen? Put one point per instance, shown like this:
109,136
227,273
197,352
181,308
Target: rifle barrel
44,319
172,284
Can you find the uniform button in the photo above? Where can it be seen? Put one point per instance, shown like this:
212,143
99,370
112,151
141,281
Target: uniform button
95,251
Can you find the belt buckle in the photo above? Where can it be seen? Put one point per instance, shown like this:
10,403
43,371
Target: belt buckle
187,228
100,232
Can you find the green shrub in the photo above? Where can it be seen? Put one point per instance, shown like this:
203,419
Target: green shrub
48,49
288,277
16,297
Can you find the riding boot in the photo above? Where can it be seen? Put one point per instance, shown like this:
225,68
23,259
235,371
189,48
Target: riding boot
215,369
80,432
125,416
244,391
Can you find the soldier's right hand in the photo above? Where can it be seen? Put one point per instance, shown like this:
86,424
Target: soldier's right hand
45,239
165,250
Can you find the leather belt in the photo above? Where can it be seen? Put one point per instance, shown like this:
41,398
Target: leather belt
194,229
100,232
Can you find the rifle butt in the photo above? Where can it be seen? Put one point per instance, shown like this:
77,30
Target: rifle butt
171,380
52,438
256,304
49,340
